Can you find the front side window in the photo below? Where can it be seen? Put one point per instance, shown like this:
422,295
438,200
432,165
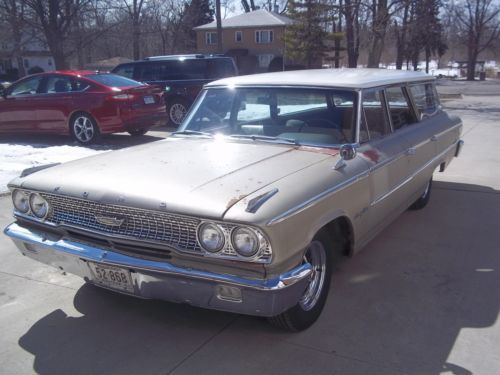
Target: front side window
211,38
399,107
125,70
58,84
30,86
374,124
306,116
263,36
425,98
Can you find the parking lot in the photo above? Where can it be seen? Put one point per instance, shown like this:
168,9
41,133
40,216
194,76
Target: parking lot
422,298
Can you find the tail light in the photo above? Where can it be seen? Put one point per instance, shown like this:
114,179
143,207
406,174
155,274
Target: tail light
123,96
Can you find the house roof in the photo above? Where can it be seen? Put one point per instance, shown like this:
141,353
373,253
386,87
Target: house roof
259,17
346,77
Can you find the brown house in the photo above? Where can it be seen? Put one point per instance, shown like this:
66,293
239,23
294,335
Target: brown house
254,39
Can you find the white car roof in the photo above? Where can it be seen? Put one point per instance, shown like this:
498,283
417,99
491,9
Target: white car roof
345,77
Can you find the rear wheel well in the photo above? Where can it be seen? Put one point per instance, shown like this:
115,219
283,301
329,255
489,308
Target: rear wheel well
340,230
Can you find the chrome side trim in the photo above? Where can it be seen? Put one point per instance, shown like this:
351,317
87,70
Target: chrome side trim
412,176
310,202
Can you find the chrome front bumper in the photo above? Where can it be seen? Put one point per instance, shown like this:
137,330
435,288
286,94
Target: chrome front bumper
162,280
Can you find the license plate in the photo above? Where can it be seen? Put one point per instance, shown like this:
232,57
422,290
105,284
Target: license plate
149,100
111,277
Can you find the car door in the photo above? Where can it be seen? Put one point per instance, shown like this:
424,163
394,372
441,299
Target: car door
419,130
17,108
385,151
55,103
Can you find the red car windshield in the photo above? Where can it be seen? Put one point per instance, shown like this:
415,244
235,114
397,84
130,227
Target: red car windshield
113,80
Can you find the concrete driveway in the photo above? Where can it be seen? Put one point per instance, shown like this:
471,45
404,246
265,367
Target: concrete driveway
422,298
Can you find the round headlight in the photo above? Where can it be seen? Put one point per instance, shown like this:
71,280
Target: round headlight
211,237
39,206
21,200
245,242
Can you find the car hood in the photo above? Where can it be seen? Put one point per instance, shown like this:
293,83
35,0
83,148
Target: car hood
202,177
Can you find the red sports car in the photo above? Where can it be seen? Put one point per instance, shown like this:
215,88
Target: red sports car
83,104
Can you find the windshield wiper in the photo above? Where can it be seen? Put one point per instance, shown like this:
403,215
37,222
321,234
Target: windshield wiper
264,138
192,132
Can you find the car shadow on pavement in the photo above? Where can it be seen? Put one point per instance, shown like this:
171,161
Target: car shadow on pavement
416,300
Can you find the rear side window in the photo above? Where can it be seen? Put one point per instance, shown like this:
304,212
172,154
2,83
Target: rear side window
58,84
220,68
400,110
425,98
125,70
113,80
374,124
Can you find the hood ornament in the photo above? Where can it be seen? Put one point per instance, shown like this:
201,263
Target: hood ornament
109,221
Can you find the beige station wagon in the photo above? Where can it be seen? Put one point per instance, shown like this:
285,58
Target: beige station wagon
245,206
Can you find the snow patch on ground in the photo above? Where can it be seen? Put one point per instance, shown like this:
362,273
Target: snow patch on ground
14,158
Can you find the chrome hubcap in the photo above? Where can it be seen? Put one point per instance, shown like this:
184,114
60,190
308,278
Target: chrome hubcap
84,129
316,256
177,113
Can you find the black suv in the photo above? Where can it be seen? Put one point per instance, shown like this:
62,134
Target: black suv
181,76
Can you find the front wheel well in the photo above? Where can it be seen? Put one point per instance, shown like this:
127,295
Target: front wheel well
340,230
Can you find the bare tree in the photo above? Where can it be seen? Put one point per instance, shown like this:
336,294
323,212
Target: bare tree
218,19
479,22
351,9
14,13
55,18
134,11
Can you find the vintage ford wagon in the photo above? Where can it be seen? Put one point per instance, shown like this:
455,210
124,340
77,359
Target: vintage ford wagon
245,206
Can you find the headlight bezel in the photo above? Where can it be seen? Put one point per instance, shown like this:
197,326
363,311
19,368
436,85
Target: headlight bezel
218,229
263,253
26,194
34,196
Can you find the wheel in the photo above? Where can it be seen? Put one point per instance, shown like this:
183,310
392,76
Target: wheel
84,128
310,305
176,110
137,132
424,198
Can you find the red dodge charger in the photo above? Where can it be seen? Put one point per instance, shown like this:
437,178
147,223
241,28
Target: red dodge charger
82,104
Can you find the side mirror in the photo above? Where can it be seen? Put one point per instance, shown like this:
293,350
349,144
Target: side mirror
347,152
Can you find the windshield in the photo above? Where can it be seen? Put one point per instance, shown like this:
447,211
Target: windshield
113,80
305,116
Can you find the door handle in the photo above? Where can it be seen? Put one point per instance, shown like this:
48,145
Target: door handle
411,151
434,138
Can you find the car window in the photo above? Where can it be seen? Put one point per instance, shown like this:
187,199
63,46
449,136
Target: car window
176,70
308,116
80,85
125,70
375,123
425,98
399,108
220,68
27,87
58,84
113,80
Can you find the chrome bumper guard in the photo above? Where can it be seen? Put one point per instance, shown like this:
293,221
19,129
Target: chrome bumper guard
162,280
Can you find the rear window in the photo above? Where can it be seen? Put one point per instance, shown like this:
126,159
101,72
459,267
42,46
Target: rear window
125,70
113,80
425,98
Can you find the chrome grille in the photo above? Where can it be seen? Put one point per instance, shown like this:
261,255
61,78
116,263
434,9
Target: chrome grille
172,230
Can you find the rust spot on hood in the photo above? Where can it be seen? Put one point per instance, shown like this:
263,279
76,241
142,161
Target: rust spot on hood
234,200
320,150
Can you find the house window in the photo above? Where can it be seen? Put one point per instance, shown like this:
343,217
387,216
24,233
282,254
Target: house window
238,36
265,60
263,36
211,38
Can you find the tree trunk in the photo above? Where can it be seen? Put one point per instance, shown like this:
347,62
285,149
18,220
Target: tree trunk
352,32
219,26
427,58
401,39
135,39
380,19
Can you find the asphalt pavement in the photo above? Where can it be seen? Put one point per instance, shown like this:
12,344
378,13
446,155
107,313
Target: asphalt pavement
422,298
